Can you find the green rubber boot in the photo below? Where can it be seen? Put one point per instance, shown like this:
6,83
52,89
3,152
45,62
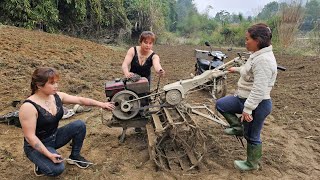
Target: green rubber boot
235,125
254,153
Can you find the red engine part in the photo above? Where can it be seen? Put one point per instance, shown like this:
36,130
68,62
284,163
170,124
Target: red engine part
139,87
112,87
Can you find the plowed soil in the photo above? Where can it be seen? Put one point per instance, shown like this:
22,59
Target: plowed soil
291,134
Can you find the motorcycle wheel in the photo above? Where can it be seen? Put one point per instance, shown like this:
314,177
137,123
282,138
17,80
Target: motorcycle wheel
221,90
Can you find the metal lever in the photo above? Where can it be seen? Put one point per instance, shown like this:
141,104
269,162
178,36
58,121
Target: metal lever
158,84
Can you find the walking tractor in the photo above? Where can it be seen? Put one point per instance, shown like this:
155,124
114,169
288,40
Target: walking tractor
175,142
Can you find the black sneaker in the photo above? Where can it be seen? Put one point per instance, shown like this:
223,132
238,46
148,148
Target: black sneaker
37,171
80,161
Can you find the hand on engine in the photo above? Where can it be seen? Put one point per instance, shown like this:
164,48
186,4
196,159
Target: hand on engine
108,105
129,75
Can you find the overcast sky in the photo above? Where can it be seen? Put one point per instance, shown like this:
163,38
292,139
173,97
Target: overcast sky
246,7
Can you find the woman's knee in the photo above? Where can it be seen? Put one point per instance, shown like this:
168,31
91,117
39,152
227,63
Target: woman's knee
219,105
80,124
56,170
225,104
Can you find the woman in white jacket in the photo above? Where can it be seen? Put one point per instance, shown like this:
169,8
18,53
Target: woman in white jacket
252,99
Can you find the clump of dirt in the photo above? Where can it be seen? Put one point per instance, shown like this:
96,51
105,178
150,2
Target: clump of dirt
290,136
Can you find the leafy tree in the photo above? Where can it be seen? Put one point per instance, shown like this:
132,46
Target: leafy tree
184,8
30,13
228,34
138,13
146,14
312,9
94,18
189,25
269,11
44,14
114,14
208,25
16,12
312,15
170,14
223,16
236,18
72,14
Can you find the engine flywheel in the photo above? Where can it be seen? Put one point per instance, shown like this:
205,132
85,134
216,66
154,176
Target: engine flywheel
125,110
173,97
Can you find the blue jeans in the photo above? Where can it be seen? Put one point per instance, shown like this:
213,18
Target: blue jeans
235,105
75,131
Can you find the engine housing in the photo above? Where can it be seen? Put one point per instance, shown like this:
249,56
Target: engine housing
140,87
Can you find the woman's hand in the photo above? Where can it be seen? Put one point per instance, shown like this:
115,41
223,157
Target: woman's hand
232,69
161,72
108,105
56,158
129,74
246,117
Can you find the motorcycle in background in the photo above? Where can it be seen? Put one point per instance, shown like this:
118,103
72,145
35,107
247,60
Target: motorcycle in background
207,60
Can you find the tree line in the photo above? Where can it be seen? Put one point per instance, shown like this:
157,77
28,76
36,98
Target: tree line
167,18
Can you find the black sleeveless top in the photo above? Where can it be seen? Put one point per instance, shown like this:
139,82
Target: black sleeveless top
143,70
47,124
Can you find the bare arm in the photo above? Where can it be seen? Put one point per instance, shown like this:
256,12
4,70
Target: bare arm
28,119
157,66
69,99
126,63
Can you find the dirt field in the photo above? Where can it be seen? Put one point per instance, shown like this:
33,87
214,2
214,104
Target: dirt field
291,140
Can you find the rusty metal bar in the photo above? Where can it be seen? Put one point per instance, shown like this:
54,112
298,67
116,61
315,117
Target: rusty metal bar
157,124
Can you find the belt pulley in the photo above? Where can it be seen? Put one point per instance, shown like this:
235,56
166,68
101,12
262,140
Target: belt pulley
123,109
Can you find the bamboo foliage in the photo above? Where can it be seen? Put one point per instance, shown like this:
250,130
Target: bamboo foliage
102,18
90,17
72,16
157,20
16,12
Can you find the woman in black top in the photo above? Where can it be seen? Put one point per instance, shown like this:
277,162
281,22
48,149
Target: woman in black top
39,117
141,58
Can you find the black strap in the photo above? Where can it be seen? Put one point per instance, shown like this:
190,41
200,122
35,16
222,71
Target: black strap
56,98
135,51
33,103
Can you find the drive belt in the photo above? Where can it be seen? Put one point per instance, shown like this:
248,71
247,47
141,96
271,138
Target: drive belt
151,106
